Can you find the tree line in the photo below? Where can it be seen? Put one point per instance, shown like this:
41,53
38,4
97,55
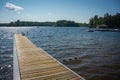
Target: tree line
112,21
57,23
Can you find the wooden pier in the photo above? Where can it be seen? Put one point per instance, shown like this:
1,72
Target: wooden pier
33,63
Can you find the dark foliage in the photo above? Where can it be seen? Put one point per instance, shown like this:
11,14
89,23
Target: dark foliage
113,21
66,23
57,23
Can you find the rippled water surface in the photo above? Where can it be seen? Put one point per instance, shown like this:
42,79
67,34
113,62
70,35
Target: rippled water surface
93,55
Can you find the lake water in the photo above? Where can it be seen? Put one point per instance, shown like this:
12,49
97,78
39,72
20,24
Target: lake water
93,55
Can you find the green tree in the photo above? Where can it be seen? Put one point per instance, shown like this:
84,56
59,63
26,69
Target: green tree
113,21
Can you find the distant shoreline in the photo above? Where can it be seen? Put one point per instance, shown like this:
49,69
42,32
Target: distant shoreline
43,26
112,21
62,23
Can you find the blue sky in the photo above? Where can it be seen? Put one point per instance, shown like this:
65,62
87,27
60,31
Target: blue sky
53,10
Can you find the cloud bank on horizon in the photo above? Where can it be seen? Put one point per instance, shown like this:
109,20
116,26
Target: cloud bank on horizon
14,7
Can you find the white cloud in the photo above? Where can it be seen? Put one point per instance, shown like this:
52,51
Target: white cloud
11,6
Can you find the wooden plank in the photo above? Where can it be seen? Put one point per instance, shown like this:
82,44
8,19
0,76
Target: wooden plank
36,64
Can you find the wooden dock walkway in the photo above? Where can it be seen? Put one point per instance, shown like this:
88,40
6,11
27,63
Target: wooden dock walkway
33,63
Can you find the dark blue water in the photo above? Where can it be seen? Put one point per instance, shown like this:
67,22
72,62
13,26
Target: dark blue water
93,55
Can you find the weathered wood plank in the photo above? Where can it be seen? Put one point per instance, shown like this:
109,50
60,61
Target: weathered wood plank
36,64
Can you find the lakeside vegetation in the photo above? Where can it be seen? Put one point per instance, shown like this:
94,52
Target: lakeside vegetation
112,21
57,23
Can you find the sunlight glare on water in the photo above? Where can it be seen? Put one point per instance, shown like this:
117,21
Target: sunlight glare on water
93,55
